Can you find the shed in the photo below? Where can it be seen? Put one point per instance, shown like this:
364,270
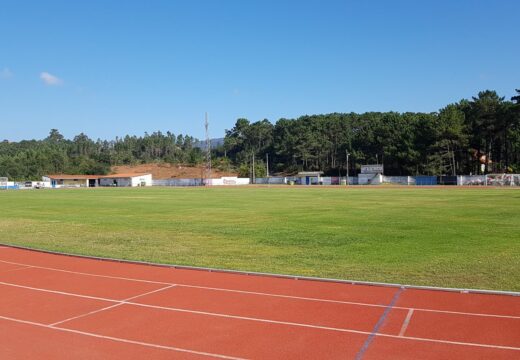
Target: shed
63,180
309,177
126,180
120,180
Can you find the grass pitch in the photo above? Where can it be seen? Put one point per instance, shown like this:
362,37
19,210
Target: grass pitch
441,237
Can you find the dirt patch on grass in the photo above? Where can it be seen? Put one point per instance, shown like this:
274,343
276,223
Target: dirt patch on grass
169,171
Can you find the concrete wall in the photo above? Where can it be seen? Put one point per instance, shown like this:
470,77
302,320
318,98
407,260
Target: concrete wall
178,182
64,183
9,185
271,180
134,181
370,179
73,183
119,182
144,180
231,180
399,180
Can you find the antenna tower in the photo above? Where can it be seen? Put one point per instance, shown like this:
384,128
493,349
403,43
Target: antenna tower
207,173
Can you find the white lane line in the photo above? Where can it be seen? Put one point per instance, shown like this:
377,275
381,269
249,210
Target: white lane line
109,307
227,357
58,292
164,347
17,269
149,292
85,314
281,296
459,313
406,322
347,302
269,294
122,302
88,274
118,302
501,347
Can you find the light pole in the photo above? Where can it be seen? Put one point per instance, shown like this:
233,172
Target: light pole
267,165
348,154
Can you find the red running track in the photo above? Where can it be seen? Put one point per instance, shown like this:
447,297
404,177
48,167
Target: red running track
56,307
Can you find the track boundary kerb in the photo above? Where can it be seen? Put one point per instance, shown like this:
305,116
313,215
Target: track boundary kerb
265,274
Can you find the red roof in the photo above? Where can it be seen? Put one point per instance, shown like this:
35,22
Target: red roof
73,177
93,177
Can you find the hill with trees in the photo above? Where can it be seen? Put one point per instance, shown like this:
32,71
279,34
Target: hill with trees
30,159
460,138
457,139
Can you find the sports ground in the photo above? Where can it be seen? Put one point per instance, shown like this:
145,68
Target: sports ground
58,306
444,236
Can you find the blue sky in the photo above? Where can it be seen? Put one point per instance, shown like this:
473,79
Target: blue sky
111,68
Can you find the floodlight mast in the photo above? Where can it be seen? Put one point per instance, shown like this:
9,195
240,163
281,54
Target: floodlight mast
348,154
267,164
207,173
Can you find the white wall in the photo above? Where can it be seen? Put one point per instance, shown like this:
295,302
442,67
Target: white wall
230,180
139,180
128,181
178,182
400,180
8,185
370,179
121,182
271,180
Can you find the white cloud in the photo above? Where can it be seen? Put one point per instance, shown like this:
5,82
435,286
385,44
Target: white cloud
6,73
50,79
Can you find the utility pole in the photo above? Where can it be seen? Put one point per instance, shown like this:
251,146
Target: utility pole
348,154
267,164
207,174
254,168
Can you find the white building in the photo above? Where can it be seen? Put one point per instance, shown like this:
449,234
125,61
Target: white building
62,180
126,180
309,177
119,180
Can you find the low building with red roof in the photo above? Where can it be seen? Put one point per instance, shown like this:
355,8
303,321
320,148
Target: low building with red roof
118,180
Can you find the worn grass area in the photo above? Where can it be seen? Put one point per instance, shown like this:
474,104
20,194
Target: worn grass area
441,237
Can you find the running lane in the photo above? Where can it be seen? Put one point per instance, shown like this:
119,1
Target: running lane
55,306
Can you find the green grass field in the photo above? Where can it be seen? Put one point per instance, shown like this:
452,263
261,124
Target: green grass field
441,237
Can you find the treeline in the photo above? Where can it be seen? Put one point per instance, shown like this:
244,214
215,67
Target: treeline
26,160
480,135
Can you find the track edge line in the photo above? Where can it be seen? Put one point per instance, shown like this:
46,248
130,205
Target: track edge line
273,275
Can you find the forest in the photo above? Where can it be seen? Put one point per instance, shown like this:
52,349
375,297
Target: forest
30,159
479,135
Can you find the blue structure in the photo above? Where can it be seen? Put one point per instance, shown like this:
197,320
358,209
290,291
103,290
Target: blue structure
425,180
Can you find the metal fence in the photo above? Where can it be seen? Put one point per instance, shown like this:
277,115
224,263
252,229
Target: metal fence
460,180
273,180
503,180
178,182
399,180
471,180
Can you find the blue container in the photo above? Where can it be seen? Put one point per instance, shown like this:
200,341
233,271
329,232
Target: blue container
425,180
